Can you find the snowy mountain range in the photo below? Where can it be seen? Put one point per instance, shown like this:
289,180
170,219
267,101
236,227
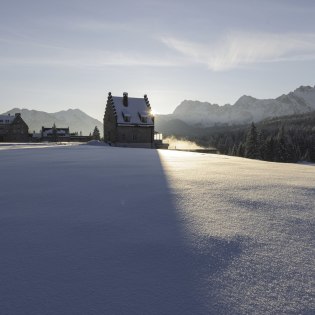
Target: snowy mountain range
245,110
75,119
189,114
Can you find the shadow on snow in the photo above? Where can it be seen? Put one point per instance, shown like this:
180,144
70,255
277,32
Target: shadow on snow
97,231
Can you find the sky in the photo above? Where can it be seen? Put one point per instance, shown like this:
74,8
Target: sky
56,55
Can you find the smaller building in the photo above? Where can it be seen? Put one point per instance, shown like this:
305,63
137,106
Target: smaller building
13,128
54,134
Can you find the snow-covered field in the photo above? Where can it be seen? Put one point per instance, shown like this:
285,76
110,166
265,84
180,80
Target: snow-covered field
102,230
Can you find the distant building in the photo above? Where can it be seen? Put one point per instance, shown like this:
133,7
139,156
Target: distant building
76,138
55,134
128,121
13,128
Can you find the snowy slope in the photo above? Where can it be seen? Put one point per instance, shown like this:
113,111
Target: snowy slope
246,109
102,230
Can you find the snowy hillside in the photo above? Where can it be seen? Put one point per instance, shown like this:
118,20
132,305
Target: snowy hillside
246,109
106,230
73,118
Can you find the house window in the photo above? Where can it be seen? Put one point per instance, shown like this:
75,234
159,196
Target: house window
123,136
126,116
144,119
134,137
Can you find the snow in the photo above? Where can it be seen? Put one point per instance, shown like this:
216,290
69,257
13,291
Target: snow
35,145
97,143
105,230
135,107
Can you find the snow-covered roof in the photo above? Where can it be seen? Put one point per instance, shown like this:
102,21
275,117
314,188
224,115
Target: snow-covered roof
48,131
6,119
136,111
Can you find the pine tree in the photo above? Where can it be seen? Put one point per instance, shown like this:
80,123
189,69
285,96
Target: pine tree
297,153
312,148
251,143
281,150
240,150
96,134
269,149
234,150
307,156
261,140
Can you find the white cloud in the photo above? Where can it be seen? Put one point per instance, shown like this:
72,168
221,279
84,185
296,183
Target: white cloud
241,49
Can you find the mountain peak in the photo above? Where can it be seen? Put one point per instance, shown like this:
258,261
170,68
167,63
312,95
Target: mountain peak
304,88
70,110
245,99
247,108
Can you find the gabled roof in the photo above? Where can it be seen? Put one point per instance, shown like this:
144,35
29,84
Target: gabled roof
131,114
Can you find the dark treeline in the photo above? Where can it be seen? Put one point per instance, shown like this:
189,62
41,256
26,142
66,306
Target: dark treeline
284,139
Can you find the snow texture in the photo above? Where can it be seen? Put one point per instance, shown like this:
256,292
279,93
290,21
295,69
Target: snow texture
97,143
103,230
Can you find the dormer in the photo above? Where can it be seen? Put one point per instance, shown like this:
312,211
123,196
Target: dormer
126,116
143,117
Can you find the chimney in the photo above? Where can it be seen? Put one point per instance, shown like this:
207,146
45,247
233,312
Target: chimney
125,99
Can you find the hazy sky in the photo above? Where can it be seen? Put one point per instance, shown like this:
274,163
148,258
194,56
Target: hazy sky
57,55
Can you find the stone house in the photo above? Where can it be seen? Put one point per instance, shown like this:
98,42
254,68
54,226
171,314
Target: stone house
129,122
13,128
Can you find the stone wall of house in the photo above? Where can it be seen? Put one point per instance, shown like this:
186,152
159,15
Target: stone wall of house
135,134
17,131
110,125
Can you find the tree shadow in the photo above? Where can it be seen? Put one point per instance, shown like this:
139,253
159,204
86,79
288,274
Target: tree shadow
98,232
